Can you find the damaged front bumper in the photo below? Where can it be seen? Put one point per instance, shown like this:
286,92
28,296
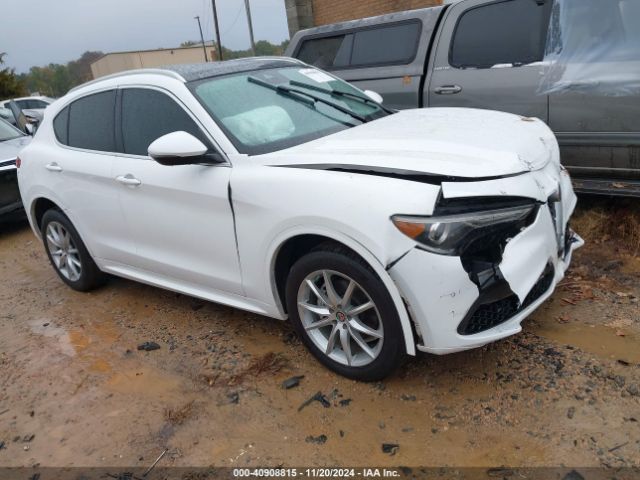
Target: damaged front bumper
456,309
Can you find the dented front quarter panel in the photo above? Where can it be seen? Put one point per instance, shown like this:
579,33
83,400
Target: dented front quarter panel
275,204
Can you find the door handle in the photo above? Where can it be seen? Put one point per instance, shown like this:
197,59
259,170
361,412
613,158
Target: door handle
448,89
53,167
128,179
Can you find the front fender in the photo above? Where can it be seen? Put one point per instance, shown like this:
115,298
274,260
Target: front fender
274,204
357,247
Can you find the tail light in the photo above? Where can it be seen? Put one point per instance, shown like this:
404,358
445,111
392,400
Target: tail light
18,162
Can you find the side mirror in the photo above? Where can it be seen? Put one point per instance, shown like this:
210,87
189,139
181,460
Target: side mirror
375,96
181,148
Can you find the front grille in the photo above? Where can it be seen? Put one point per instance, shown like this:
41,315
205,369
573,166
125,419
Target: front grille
489,315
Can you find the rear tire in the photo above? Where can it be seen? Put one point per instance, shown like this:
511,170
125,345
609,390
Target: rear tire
67,253
352,327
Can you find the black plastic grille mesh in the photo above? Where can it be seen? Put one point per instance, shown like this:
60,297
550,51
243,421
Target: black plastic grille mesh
493,314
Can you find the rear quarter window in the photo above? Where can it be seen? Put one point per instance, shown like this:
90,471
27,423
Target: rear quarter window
391,44
326,52
61,126
388,45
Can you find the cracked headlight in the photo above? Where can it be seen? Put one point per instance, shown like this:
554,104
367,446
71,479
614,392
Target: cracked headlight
453,234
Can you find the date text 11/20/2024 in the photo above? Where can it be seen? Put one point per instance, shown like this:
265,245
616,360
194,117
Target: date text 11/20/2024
317,472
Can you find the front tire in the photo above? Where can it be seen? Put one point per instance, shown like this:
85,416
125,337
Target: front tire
68,254
344,314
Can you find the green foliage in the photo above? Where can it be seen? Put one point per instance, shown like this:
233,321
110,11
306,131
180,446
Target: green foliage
11,85
55,80
263,48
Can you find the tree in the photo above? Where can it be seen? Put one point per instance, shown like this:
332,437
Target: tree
55,79
80,70
11,85
263,48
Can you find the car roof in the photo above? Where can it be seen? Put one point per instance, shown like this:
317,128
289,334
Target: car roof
32,97
199,71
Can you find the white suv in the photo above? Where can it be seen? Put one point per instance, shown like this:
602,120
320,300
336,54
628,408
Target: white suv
277,188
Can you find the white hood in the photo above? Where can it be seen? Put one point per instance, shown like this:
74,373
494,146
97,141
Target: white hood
455,142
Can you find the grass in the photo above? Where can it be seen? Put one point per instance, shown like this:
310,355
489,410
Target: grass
609,221
179,415
268,364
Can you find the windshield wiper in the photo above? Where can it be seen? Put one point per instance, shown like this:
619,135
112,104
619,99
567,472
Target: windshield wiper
315,98
338,93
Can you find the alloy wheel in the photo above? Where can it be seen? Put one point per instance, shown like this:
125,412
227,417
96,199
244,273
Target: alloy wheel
63,251
340,318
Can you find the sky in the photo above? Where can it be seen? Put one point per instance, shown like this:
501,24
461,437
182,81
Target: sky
39,32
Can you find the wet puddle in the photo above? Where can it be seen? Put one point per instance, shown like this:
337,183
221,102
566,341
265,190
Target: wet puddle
89,344
47,329
145,381
604,341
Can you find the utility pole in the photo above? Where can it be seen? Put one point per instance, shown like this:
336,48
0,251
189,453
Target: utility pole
217,27
248,9
204,48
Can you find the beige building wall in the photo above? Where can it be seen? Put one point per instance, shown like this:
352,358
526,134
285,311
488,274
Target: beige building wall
121,61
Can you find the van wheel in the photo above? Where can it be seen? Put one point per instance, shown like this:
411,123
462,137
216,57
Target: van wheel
344,314
68,254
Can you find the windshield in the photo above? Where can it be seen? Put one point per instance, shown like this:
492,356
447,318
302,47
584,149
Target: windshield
8,132
264,111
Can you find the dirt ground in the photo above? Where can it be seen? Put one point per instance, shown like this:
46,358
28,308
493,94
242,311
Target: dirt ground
76,391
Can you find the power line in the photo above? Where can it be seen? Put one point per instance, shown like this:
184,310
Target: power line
235,20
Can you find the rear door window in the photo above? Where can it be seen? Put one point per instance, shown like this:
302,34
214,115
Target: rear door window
148,115
509,32
92,122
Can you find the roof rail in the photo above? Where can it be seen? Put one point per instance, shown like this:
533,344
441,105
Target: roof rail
140,71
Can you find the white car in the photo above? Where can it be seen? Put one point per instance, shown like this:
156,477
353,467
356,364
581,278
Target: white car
274,187
33,107
35,102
